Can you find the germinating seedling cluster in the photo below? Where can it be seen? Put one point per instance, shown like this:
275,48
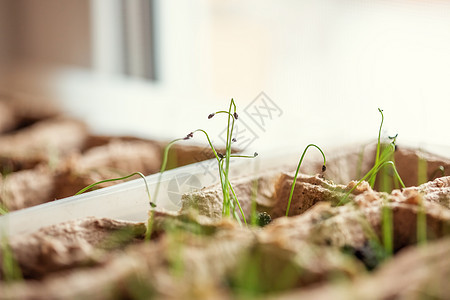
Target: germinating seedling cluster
231,205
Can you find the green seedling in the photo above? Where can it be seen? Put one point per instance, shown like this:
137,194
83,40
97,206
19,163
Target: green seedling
230,200
387,228
262,270
11,269
422,166
298,168
383,158
3,209
224,170
164,163
152,204
377,156
254,213
383,161
117,179
122,236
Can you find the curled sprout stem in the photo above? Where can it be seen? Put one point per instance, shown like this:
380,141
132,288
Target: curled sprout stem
120,178
164,163
296,173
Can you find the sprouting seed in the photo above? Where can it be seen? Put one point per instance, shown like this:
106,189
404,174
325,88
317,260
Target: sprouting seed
255,154
220,155
211,115
190,135
235,115
324,168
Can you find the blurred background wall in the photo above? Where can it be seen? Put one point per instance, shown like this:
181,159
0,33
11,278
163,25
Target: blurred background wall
157,68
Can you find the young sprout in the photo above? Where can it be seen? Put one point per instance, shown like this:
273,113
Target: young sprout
165,159
377,156
254,215
227,188
387,228
298,168
152,204
384,160
3,209
10,266
223,161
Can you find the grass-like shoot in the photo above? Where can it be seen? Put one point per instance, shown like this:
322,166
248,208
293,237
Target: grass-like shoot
383,158
152,204
10,267
230,200
377,155
298,168
3,209
387,228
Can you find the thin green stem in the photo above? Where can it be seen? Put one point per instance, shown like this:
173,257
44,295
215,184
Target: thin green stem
225,203
3,209
296,173
377,156
228,148
164,165
383,158
393,168
120,178
237,202
254,216
150,220
388,238
10,266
